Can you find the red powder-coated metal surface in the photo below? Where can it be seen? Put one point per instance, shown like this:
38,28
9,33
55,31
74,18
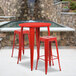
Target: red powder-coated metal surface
35,24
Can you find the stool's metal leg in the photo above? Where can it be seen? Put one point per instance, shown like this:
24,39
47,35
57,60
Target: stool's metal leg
57,54
23,43
13,45
46,43
50,53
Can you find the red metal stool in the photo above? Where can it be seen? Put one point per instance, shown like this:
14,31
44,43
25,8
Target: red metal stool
48,51
19,33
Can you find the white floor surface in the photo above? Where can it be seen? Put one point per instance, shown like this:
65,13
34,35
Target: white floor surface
9,66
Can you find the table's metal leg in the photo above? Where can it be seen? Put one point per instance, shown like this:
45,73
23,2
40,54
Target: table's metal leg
20,45
31,46
38,43
38,40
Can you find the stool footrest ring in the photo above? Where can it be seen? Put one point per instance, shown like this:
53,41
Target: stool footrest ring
55,57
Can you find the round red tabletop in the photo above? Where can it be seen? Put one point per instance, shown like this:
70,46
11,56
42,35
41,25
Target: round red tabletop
35,24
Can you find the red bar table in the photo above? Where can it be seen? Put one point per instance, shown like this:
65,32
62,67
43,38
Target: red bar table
32,26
